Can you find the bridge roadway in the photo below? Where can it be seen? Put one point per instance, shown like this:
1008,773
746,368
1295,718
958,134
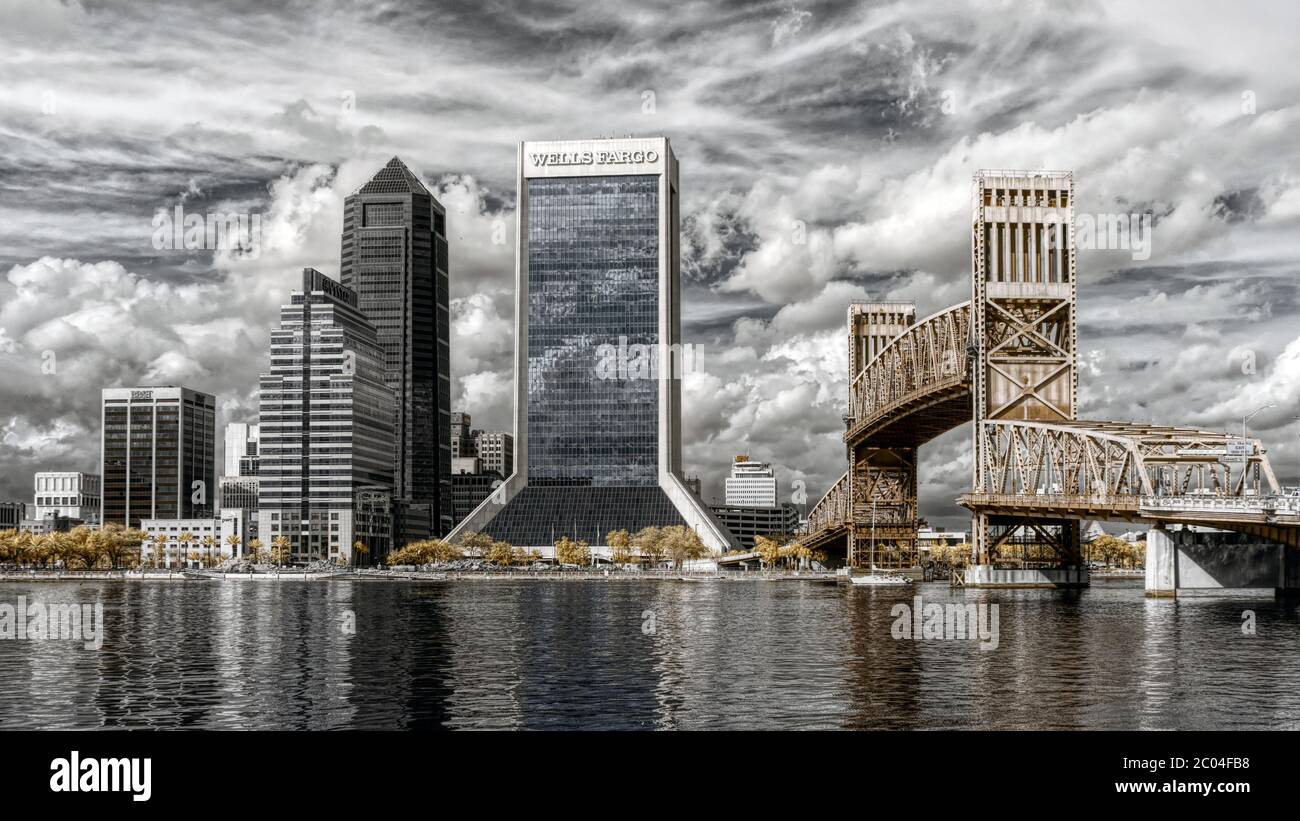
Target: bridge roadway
1006,361
1114,471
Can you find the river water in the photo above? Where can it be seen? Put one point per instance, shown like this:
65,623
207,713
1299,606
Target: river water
644,655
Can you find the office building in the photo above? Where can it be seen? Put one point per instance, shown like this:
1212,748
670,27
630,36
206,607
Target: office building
928,538
496,451
751,484
747,521
326,419
240,493
12,515
176,541
471,483
394,258
158,454
597,438
69,494
241,449
462,437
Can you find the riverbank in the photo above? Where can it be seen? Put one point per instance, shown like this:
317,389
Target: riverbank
413,576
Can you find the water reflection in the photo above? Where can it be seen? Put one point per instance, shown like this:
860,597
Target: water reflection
632,655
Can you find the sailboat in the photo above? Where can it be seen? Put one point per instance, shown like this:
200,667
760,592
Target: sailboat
876,578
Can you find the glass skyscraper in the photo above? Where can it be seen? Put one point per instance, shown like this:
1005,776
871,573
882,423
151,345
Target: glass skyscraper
326,423
597,409
394,256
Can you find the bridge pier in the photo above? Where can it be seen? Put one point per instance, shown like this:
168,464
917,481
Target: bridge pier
883,524
1185,562
1026,551
987,575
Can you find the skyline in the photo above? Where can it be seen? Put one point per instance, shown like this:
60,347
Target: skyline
869,138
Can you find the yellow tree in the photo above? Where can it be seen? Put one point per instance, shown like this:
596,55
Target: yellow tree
209,542
768,550
235,544
406,554
8,541
185,539
446,551
1109,549
620,547
280,547
682,544
255,549
649,543
22,547
124,545
359,549
501,554
476,544
572,551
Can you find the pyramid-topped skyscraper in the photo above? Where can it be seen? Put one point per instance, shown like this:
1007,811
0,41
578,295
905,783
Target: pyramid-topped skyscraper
395,258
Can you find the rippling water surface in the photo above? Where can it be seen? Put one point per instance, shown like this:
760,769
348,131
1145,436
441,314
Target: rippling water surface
633,655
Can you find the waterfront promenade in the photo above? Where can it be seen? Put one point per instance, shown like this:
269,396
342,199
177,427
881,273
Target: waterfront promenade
522,574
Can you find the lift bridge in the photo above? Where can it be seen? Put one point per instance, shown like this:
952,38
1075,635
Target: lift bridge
1005,362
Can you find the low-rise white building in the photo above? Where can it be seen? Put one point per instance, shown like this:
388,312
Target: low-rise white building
69,494
209,538
928,539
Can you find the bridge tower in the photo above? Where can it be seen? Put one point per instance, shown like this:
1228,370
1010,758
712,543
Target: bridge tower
882,480
1024,330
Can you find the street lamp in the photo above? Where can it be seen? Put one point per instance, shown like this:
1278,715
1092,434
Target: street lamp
1251,416
1297,418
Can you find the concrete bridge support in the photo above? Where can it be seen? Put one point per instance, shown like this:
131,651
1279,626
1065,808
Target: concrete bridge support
1185,562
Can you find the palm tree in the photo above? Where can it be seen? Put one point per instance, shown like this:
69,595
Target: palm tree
358,549
186,538
279,549
255,549
235,544
209,542
159,545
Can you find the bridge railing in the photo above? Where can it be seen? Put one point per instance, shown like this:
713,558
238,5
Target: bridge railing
834,508
1108,459
1197,502
928,353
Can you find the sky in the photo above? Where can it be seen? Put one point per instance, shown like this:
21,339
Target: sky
826,152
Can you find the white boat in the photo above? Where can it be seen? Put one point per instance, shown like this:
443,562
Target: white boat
881,580
875,578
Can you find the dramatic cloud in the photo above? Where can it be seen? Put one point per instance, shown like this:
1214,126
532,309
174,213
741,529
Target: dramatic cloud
826,155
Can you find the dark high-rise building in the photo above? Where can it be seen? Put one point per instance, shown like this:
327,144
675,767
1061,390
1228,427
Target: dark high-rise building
158,454
12,515
394,257
746,522
326,418
597,442
462,438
